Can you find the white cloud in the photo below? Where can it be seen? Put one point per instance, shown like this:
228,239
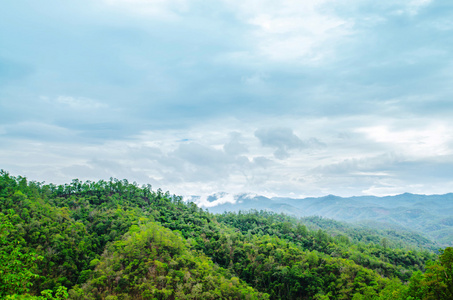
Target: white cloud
390,188
79,102
220,198
370,79
289,31
414,6
394,186
419,141
160,9
255,80
345,166
282,31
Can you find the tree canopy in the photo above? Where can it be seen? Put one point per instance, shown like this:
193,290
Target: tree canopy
117,240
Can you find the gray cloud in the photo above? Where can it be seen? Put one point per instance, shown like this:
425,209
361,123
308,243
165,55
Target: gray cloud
235,146
82,84
200,155
283,140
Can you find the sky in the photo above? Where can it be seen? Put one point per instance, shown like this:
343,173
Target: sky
277,98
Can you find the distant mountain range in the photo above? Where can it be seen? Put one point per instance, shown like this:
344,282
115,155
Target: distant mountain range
430,215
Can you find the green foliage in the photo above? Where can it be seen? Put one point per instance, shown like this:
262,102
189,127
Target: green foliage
152,262
116,240
437,282
60,294
15,264
387,261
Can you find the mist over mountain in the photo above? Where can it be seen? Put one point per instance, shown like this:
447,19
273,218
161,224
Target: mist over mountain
429,215
113,111
116,240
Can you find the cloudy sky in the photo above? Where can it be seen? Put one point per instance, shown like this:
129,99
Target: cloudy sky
288,98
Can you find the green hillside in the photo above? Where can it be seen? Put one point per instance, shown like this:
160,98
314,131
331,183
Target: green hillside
427,216
116,240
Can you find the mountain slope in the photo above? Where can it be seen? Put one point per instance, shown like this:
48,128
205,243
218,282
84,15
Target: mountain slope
116,240
429,215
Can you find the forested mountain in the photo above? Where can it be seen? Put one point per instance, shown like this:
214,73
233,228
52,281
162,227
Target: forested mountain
116,240
427,215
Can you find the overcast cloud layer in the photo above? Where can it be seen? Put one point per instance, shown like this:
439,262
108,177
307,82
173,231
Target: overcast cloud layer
279,98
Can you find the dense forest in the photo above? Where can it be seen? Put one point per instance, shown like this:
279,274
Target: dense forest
429,216
118,240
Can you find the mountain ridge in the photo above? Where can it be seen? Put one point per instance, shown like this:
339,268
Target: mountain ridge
429,215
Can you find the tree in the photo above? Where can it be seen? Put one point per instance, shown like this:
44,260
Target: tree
15,264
